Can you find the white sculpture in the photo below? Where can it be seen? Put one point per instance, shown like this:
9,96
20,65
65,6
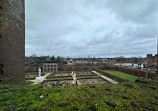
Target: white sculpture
39,72
40,78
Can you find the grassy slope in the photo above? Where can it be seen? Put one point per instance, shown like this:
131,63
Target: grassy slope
122,75
131,96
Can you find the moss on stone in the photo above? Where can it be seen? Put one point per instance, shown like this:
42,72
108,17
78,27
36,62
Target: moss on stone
125,96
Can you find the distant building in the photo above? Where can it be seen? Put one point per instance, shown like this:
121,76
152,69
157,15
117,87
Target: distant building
111,62
50,67
151,60
130,64
87,60
124,63
70,61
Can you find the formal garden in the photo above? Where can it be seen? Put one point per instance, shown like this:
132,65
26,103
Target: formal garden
94,93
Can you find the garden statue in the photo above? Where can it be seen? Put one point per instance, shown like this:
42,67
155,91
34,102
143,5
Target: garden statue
39,72
40,78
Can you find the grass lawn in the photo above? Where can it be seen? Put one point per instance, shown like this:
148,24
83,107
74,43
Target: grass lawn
30,82
122,75
105,97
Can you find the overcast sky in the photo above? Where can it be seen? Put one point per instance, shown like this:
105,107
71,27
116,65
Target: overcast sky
95,28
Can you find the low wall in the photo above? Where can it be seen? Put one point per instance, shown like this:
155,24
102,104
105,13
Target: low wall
31,69
77,68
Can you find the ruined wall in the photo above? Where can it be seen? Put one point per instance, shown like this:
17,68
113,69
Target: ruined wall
12,41
151,60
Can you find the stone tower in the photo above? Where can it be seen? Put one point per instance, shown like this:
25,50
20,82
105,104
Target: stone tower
12,41
151,60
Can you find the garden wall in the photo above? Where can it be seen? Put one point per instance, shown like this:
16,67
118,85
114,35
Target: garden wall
132,71
77,68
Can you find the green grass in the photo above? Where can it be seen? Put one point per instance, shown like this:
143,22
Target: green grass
29,78
32,73
88,76
59,78
30,82
105,97
122,75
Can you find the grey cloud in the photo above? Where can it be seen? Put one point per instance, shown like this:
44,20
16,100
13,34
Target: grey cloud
97,28
135,10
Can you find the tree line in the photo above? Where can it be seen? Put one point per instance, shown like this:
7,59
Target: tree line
37,61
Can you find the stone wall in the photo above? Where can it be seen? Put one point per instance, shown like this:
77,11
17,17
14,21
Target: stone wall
76,68
151,60
136,72
12,41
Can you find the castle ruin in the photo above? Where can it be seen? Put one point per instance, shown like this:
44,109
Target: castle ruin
12,41
151,60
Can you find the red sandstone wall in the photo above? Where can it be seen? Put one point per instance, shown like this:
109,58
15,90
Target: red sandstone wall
75,68
136,72
12,41
31,69
151,60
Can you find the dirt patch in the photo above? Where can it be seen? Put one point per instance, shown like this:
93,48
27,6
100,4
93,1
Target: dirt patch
92,81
